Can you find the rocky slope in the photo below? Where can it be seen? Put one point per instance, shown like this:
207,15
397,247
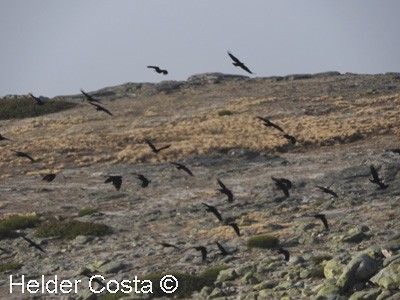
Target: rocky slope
343,123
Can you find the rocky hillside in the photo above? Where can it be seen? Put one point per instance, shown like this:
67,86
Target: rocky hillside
342,124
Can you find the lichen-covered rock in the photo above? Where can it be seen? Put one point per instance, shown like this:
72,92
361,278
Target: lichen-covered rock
365,295
359,269
329,292
389,277
228,274
333,268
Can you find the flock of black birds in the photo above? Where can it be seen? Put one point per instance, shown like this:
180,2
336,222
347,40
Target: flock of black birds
282,184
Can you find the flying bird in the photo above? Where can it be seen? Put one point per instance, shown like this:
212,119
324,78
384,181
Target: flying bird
327,190
203,251
158,70
168,245
3,138
33,244
89,98
182,167
238,63
285,253
235,228
376,178
23,154
214,210
49,177
115,180
323,219
268,123
225,190
283,184
154,149
37,99
101,108
145,181
290,138
222,250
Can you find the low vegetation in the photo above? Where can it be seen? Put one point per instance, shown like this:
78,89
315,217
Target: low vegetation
15,222
10,266
87,211
71,229
263,241
26,107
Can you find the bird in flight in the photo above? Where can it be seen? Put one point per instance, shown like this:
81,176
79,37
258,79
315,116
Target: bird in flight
23,154
182,167
154,149
285,253
222,250
214,210
158,70
3,138
37,99
268,123
33,244
283,184
89,98
235,228
225,190
327,190
238,63
203,251
376,178
100,108
145,181
323,219
49,177
168,245
290,138
115,180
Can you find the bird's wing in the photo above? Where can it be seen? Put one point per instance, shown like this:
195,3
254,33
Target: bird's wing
165,147
277,127
151,145
221,184
263,119
236,228
222,249
325,221
105,110
246,68
235,59
375,174
187,170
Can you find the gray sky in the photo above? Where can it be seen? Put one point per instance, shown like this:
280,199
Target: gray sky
54,48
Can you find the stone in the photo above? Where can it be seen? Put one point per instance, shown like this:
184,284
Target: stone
333,268
389,277
365,295
228,274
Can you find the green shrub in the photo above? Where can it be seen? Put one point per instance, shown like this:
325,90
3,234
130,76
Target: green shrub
263,241
318,259
26,107
224,112
10,266
71,229
15,222
87,211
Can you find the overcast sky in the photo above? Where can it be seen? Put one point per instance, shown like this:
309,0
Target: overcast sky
54,48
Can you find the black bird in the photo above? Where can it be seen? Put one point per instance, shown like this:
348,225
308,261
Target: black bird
235,227
33,244
376,179
49,177
238,63
290,138
89,98
182,167
212,209
225,190
268,123
327,190
323,219
145,181
168,245
2,138
283,184
154,149
37,99
158,70
23,154
116,181
285,253
222,249
101,108
203,251
396,150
